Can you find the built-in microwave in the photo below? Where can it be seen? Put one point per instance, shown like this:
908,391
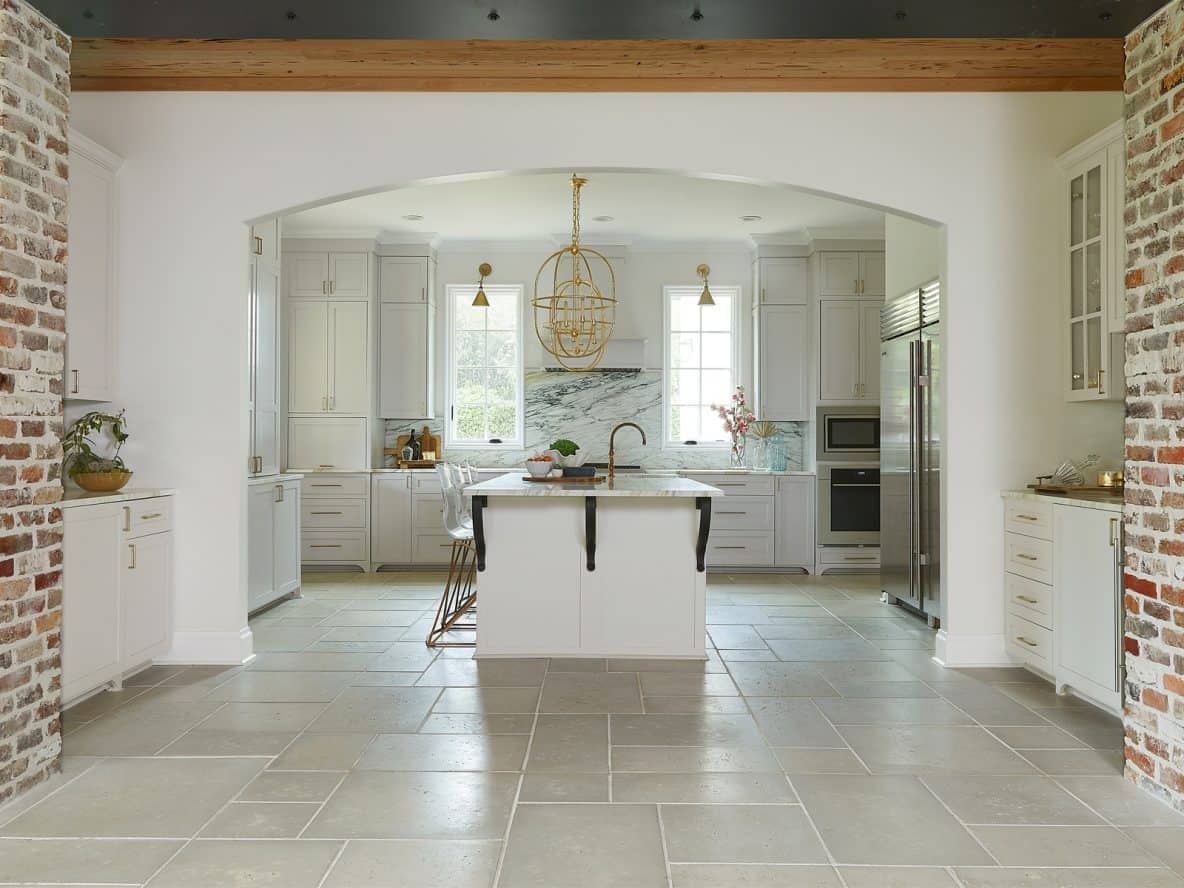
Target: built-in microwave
848,434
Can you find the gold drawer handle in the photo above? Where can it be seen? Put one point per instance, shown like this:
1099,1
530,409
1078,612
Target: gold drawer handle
729,547
325,546
859,557
1026,557
151,515
1026,599
1028,517
325,485
1023,640
326,513
731,513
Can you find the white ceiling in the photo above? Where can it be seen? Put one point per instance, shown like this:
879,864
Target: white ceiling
645,207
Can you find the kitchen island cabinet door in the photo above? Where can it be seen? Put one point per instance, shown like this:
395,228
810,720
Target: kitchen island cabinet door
1088,600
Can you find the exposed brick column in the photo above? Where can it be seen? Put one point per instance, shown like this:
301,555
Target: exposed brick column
34,103
1154,514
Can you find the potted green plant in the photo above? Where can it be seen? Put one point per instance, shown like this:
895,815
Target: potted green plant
83,465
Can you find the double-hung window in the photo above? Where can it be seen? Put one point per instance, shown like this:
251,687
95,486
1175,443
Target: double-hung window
484,347
700,366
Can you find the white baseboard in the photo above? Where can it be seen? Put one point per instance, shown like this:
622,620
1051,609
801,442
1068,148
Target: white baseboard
210,648
970,650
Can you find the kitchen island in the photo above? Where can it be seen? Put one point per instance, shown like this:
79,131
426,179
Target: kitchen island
614,569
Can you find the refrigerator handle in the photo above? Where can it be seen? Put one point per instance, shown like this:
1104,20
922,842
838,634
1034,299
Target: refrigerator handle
924,425
914,502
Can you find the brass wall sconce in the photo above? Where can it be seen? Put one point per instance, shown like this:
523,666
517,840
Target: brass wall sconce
481,300
705,297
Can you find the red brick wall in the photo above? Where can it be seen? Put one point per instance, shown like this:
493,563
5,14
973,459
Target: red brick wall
34,103
1154,515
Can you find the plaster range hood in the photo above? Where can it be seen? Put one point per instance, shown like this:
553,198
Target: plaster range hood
619,354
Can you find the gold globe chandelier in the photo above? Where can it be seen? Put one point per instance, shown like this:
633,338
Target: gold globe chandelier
574,314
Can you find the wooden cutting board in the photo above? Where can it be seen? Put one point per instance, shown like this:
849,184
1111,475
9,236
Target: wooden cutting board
428,443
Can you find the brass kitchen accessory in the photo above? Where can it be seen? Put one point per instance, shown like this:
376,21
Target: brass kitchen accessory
704,270
481,300
1112,479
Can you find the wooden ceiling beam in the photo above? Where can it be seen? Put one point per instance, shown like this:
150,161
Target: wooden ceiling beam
1002,64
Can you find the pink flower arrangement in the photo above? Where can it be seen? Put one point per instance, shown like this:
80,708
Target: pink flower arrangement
736,418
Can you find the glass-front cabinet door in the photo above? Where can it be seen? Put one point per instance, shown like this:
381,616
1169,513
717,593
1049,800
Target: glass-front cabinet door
1093,235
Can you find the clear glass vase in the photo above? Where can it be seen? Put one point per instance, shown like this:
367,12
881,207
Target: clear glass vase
738,451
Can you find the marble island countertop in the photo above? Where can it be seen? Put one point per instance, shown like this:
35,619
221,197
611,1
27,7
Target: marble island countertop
1109,502
650,472
635,485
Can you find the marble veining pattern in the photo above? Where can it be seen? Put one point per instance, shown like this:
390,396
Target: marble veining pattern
512,484
584,407
74,498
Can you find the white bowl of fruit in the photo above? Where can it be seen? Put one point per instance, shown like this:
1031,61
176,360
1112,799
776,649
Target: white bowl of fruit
539,466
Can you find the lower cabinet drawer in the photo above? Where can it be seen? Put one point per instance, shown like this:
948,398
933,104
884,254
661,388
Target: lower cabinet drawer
142,517
849,556
742,513
334,514
334,545
1028,557
1029,598
726,549
1028,642
431,548
335,484
735,483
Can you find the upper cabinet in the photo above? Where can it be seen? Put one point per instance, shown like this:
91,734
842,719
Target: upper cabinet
849,350
90,291
1091,267
328,357
405,279
849,273
783,281
783,366
315,274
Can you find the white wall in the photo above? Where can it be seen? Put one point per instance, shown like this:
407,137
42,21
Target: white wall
912,254
197,165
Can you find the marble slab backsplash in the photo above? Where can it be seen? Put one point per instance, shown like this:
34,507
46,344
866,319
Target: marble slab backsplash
584,407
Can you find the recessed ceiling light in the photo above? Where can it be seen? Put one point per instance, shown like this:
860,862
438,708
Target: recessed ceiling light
751,218
413,217
602,218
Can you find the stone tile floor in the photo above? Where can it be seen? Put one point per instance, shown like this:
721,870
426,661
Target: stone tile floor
820,745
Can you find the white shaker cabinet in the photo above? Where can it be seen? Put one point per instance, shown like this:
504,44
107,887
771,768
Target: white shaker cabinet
784,281
871,274
406,358
308,275
849,273
794,521
90,598
391,530
849,350
117,590
783,370
404,279
273,539
328,357
90,288
1088,606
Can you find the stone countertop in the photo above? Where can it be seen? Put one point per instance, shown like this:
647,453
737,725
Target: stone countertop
75,497
1106,502
275,479
622,485
654,472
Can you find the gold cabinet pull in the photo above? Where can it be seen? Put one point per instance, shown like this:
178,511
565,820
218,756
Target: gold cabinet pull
1101,387
132,566
127,519
1027,517
151,515
324,288
74,390
279,493
258,245
1026,557
324,485
729,547
1026,599
731,513
332,287
859,557
1023,640
326,513
325,546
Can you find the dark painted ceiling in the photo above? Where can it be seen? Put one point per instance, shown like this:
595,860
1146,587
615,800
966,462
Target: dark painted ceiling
596,19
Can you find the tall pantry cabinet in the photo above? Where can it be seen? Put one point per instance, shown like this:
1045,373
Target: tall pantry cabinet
273,500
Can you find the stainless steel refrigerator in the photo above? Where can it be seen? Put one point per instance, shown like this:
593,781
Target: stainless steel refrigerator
910,451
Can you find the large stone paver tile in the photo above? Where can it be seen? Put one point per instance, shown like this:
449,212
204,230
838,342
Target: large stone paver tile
933,750
392,805
886,821
140,797
594,846
413,862
255,862
82,860
376,711
1039,846
1010,800
444,752
740,834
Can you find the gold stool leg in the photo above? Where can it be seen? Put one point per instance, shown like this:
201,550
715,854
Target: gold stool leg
458,597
